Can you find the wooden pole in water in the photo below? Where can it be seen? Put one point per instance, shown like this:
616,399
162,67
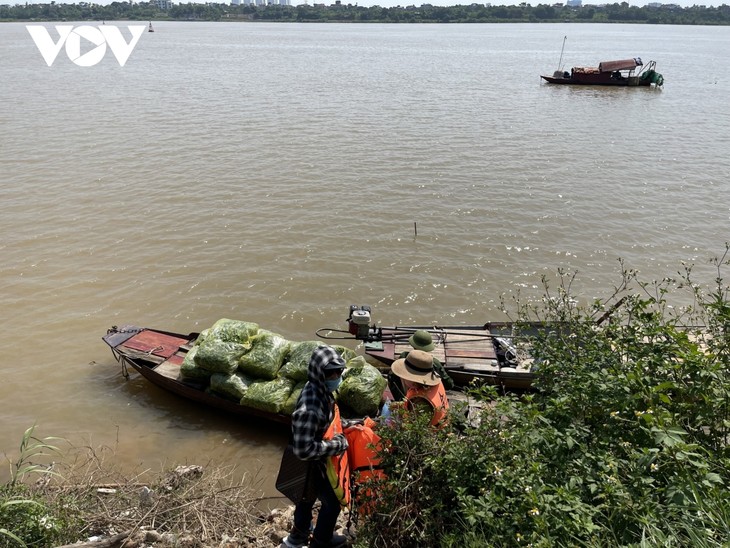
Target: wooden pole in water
415,229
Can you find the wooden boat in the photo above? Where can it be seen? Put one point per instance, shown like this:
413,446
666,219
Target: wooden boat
157,356
610,73
487,353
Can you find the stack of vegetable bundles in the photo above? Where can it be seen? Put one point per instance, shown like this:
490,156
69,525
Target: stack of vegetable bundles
241,361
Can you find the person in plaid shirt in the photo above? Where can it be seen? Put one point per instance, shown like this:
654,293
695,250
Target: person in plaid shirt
314,412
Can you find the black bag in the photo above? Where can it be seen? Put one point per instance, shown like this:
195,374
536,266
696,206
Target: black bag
297,478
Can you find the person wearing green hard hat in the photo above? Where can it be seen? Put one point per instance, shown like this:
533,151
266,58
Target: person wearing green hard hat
420,340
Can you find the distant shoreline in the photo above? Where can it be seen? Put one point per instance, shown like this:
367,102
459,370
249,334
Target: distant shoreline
666,14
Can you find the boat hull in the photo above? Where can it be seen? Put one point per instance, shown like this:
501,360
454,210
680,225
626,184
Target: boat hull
158,355
598,80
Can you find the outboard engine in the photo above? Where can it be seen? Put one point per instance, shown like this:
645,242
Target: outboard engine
506,352
358,322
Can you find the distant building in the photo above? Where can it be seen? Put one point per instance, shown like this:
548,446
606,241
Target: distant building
574,3
164,4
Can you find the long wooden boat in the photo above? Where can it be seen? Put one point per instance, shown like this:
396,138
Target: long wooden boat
487,353
158,355
610,73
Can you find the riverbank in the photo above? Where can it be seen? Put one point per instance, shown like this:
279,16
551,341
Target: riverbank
340,13
89,505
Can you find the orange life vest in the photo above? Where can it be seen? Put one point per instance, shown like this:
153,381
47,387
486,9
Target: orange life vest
362,451
435,396
338,466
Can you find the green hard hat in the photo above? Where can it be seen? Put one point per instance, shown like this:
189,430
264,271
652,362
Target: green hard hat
421,340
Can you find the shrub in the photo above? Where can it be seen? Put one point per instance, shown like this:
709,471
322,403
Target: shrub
26,521
623,442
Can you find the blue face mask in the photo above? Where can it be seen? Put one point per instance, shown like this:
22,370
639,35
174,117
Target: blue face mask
333,384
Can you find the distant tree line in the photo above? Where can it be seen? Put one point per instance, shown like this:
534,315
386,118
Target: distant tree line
338,12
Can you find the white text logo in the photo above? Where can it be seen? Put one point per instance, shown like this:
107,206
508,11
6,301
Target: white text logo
100,38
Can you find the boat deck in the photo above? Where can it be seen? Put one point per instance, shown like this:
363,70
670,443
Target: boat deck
161,352
473,347
468,353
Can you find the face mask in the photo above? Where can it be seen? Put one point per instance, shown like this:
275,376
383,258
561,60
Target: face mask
333,384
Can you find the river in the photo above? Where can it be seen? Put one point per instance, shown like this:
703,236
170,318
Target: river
280,172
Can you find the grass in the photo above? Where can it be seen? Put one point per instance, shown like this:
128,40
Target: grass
85,496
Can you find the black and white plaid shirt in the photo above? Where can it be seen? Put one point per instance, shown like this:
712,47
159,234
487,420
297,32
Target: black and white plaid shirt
315,410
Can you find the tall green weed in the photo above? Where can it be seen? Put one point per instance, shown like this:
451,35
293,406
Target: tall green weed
25,518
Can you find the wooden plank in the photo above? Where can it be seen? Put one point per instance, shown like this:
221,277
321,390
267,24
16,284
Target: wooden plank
177,359
473,352
470,345
438,352
154,342
471,363
170,368
484,353
401,347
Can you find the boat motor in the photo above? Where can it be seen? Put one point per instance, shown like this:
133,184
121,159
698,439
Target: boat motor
506,352
358,322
